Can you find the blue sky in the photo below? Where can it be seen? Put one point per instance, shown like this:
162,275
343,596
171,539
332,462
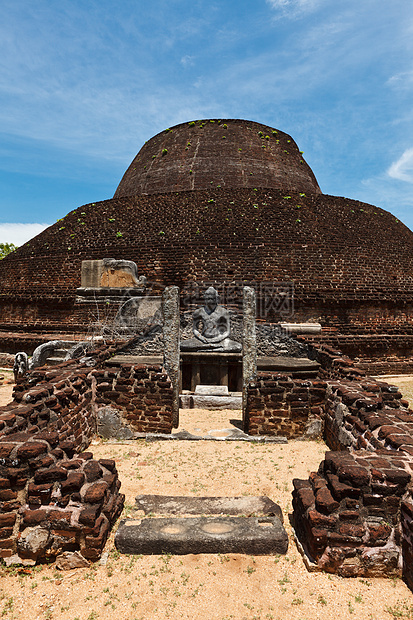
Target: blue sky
84,83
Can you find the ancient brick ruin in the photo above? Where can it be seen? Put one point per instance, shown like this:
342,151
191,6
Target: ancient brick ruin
353,517
230,202
54,496
212,202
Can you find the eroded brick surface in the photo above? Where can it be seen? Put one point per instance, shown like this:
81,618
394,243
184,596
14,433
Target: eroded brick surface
280,405
347,515
51,490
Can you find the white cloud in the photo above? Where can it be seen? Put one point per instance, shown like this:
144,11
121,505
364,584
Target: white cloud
293,8
19,233
401,80
187,61
402,169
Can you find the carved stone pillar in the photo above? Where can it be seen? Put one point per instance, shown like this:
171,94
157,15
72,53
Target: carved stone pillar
249,350
170,310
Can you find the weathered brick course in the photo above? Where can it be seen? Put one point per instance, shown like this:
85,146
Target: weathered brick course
277,405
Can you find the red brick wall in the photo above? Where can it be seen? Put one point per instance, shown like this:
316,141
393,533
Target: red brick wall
74,500
354,517
141,393
46,483
374,353
370,414
351,262
347,515
406,516
280,405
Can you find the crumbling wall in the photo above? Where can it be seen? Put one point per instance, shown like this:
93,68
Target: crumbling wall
279,405
57,400
354,517
141,393
334,364
53,500
53,496
406,517
367,415
375,354
347,516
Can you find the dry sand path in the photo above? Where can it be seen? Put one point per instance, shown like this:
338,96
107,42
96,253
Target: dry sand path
204,587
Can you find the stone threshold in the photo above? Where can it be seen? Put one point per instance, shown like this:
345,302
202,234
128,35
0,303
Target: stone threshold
193,535
248,525
227,435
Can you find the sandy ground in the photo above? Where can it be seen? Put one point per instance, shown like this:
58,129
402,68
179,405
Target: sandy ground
210,587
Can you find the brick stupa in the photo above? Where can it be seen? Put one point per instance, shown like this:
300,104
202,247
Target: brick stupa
224,201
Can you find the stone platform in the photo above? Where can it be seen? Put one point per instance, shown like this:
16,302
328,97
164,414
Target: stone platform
250,525
249,535
199,401
210,397
297,367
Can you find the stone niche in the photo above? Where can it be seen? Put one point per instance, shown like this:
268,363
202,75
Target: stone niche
110,273
209,368
117,289
211,357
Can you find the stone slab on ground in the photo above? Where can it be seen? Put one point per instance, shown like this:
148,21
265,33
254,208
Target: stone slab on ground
211,390
180,505
117,360
247,535
197,401
226,434
68,560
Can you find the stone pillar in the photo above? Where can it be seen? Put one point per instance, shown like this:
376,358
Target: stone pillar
170,311
249,347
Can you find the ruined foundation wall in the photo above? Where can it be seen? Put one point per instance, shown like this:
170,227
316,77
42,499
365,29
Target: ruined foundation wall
142,394
279,405
347,516
375,354
54,497
52,500
354,517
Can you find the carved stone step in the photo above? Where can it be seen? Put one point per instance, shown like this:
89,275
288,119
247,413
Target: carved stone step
194,401
248,535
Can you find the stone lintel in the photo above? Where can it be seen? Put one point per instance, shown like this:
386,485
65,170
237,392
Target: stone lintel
109,292
118,360
209,355
286,363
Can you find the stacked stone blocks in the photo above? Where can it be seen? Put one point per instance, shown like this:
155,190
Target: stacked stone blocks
52,501
354,517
